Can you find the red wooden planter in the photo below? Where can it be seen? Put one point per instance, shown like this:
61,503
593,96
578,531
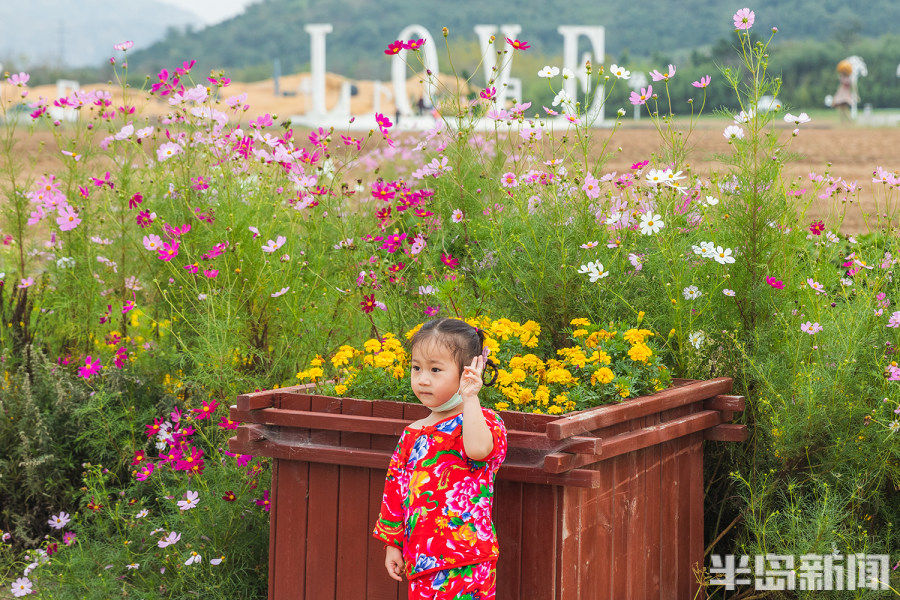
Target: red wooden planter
605,503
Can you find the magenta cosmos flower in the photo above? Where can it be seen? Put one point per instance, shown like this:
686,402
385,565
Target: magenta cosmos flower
743,19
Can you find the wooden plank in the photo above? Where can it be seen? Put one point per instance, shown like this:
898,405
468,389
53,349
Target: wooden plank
288,552
380,585
353,524
256,400
637,515
683,516
273,528
604,416
695,542
559,462
655,497
321,540
509,526
539,553
670,488
725,402
726,433
569,540
380,425
623,511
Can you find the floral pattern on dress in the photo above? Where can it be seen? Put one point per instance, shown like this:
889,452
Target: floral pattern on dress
437,502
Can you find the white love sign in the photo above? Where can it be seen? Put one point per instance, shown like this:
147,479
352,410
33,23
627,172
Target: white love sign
508,88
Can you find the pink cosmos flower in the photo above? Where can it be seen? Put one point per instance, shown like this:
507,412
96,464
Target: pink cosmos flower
743,19
383,121
168,150
90,368
488,93
518,44
124,46
704,81
168,251
394,47
775,283
817,227
68,219
643,96
414,44
25,282
591,186
19,79
448,260
509,180
657,76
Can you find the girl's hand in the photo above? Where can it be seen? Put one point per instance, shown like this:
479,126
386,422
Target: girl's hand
393,562
471,382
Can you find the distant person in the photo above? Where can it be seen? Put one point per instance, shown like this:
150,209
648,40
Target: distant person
396,117
845,94
420,106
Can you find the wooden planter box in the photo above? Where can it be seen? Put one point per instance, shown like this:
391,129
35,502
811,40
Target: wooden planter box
606,503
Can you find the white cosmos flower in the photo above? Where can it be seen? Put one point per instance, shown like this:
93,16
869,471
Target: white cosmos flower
614,218
728,292
723,256
798,119
651,223
563,98
711,200
619,72
655,177
567,73
691,292
744,117
595,270
705,249
733,132
671,177
548,71
696,339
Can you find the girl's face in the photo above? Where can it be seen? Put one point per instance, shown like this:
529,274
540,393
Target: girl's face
433,374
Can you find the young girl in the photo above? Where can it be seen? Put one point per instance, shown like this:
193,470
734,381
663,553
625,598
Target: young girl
436,509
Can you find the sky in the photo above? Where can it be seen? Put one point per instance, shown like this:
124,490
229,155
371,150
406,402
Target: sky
212,11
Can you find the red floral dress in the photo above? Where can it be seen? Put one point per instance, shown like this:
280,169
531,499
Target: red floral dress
437,502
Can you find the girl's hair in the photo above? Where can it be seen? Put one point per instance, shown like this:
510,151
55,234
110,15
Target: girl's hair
464,341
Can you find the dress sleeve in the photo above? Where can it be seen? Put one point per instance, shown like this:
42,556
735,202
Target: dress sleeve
390,525
498,434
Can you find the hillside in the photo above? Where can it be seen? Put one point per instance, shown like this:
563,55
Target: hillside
247,44
80,33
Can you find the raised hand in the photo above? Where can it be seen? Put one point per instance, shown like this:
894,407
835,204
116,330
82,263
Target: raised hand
470,383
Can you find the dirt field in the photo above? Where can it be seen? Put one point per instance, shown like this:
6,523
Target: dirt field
853,153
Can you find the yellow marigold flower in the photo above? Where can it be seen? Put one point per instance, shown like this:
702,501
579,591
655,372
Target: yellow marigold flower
517,362
554,410
317,361
525,396
570,405
560,399
340,389
640,352
623,390
341,358
533,362
372,345
580,321
602,375
561,375
579,332
532,326
542,395
537,411
504,377
637,336
399,372
384,359
413,331
518,375
501,405
368,359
